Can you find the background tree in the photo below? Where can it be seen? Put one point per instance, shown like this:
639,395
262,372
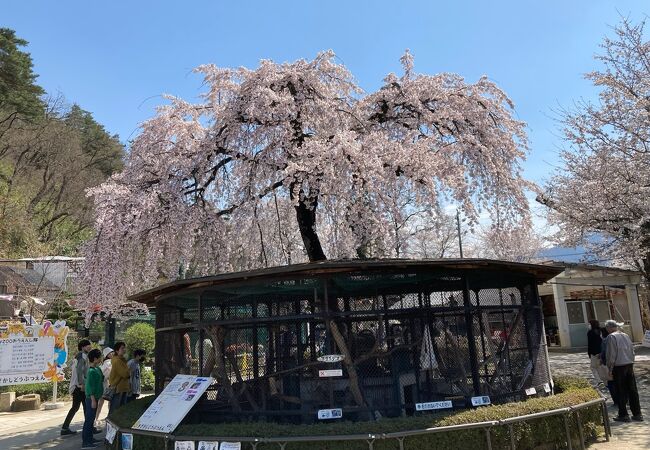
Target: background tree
20,96
298,150
45,168
601,196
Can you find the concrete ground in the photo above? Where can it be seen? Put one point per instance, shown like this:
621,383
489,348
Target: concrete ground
32,430
628,436
35,430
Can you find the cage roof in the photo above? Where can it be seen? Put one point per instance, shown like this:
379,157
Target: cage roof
541,273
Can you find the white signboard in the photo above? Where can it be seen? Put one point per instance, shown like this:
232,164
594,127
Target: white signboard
208,445
646,339
330,373
230,446
25,359
173,403
111,432
547,388
324,414
433,405
481,400
531,391
330,358
184,445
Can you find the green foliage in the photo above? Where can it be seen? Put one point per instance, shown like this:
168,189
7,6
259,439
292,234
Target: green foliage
19,93
43,389
50,154
147,379
548,432
140,335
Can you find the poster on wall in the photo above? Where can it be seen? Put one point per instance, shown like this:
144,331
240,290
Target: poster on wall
32,353
646,339
173,403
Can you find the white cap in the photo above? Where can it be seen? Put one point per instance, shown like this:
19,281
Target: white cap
106,351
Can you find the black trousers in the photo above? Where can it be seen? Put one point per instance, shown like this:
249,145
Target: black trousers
626,390
78,399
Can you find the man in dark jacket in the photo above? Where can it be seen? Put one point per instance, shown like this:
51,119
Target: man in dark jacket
594,347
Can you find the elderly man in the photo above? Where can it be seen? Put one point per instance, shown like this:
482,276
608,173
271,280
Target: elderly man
620,362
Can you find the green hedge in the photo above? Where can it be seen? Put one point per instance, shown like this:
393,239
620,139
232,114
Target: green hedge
43,389
540,433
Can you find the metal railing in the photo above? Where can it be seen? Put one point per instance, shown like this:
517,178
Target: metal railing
370,438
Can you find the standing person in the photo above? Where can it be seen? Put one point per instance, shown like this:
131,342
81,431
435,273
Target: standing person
620,362
77,384
606,376
119,377
134,368
594,347
107,354
94,391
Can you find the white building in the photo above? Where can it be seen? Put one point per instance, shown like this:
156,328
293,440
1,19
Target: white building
585,292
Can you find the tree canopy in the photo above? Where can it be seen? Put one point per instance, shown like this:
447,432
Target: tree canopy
297,153
601,196
50,153
19,93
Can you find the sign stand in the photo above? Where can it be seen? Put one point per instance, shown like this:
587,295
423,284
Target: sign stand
54,404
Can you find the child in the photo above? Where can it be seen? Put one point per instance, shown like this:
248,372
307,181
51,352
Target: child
94,391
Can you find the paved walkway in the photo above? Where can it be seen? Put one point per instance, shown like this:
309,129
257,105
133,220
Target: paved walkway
32,430
626,436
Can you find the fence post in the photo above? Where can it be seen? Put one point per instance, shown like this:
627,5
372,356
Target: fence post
606,424
568,432
401,443
580,431
489,438
513,446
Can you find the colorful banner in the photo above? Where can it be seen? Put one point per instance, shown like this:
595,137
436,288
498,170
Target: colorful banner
32,353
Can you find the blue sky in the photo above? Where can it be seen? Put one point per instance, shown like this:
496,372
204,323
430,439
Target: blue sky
115,58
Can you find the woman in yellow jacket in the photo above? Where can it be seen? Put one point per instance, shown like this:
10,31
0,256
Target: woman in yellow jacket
119,377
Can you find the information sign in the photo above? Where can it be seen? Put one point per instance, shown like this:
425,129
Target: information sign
481,400
127,441
173,403
324,414
330,358
433,405
330,373
531,391
547,388
208,445
230,446
32,353
184,445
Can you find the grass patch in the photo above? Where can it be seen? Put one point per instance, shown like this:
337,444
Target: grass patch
540,433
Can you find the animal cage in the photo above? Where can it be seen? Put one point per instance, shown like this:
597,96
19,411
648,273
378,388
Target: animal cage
353,339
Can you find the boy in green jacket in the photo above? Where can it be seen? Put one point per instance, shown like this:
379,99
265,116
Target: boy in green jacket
94,391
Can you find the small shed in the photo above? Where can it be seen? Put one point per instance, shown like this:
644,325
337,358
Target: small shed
584,292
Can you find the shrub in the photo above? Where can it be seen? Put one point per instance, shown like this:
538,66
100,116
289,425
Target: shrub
547,432
140,335
43,389
147,379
